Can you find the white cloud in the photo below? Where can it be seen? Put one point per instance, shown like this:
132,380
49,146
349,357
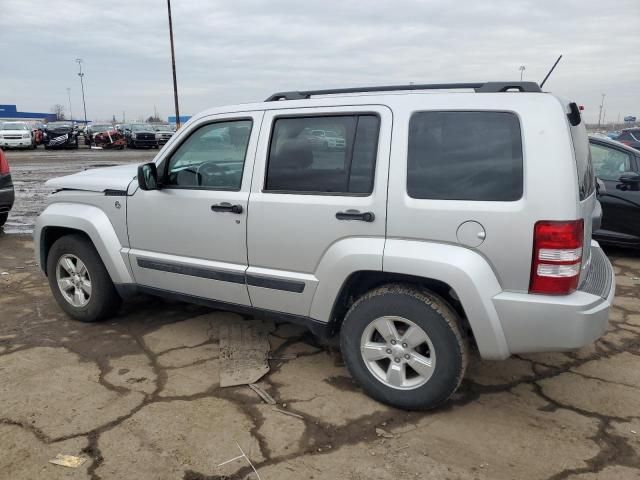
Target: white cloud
242,51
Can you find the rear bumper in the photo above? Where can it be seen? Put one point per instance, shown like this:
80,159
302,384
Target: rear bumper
7,197
543,323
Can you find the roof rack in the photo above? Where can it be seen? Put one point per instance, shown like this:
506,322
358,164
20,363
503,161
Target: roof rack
486,87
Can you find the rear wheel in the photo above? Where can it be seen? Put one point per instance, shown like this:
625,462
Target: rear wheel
79,280
403,345
3,218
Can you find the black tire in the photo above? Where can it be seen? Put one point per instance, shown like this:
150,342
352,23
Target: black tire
435,317
3,218
104,300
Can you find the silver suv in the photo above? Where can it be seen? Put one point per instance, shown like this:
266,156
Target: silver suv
449,221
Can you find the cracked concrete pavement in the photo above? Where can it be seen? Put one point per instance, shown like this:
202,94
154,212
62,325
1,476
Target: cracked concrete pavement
139,396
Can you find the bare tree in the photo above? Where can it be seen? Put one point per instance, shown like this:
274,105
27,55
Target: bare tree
58,110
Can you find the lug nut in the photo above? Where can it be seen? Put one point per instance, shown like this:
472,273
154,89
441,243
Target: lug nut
388,350
404,345
407,356
393,342
397,360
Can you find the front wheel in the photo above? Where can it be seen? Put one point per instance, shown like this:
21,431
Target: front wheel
403,345
3,218
79,280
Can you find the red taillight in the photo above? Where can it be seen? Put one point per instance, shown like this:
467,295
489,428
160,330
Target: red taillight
4,165
557,257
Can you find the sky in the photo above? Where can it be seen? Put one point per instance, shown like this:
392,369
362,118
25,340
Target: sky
238,51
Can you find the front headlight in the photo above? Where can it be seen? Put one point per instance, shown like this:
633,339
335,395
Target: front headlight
26,135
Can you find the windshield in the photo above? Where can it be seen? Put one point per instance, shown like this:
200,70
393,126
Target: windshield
59,125
141,128
14,126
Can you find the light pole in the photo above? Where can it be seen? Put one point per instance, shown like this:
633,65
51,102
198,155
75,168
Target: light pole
70,111
173,67
522,69
81,75
601,107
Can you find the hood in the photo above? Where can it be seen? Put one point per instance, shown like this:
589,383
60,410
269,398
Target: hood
14,132
97,179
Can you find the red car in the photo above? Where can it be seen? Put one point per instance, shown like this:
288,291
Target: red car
7,194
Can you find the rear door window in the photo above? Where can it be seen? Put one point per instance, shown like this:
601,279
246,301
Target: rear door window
324,154
465,156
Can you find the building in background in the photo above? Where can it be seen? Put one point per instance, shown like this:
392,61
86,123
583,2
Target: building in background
183,119
10,112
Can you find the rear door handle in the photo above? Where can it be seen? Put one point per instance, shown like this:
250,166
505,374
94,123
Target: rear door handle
226,207
356,215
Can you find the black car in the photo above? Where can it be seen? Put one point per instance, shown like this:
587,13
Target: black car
140,135
630,137
6,189
617,168
60,135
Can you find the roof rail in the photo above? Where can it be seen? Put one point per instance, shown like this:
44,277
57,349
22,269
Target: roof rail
486,87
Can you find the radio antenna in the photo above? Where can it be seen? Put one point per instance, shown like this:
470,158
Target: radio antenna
550,71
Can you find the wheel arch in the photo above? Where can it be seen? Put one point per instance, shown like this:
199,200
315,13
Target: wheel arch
460,275
360,282
89,221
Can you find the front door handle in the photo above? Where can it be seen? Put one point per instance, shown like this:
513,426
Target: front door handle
356,215
226,207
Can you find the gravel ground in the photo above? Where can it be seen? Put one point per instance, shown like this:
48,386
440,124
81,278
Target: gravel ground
30,169
139,395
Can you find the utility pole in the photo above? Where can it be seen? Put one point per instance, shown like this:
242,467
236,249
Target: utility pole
173,67
601,107
81,75
522,69
70,111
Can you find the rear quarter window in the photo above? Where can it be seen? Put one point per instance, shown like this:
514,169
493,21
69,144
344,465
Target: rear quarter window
584,164
465,156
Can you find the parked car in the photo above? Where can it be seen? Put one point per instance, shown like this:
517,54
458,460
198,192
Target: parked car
16,135
414,244
163,133
92,129
141,135
37,131
60,135
109,138
613,134
326,139
617,167
630,137
7,193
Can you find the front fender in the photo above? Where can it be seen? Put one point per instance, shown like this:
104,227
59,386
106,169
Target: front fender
467,273
93,222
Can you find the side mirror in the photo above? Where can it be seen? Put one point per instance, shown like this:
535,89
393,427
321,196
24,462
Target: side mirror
148,176
629,180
